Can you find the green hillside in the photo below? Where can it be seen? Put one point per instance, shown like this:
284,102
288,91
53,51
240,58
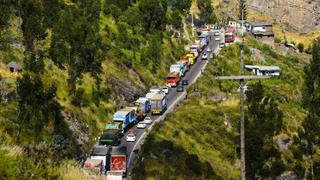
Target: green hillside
200,139
81,62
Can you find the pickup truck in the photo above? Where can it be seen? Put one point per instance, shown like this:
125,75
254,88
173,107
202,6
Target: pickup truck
172,79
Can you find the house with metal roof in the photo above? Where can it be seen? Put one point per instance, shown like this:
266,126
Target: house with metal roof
260,29
264,70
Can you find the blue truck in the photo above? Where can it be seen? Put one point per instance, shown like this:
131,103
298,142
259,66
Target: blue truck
204,38
127,117
143,105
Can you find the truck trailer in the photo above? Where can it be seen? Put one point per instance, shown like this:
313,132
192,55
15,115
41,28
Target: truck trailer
118,160
100,153
178,69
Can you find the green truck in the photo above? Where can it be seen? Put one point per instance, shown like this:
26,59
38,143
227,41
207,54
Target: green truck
111,135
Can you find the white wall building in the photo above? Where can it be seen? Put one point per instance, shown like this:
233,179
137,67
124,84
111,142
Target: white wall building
264,70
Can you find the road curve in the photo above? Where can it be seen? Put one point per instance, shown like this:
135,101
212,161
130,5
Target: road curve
173,99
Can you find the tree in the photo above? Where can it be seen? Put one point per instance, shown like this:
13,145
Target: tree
206,11
154,14
76,42
36,104
300,47
242,9
308,136
264,122
6,10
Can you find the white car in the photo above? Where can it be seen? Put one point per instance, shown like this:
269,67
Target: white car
131,137
165,89
209,50
148,120
141,125
217,38
221,45
204,56
155,90
216,34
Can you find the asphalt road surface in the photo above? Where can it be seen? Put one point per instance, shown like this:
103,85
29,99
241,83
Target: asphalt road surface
173,98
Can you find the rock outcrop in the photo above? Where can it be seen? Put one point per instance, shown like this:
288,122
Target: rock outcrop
296,15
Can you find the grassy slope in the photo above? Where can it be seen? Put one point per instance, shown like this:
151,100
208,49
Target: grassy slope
92,118
207,129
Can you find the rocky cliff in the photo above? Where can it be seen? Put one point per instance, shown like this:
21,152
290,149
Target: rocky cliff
296,15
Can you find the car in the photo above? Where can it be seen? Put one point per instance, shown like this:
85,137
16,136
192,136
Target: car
165,89
217,38
131,136
147,120
221,45
204,56
216,34
180,88
141,125
209,50
185,82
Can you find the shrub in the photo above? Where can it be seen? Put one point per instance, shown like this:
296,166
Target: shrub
300,47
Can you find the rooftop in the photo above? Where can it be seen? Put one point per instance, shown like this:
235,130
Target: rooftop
260,23
119,150
158,96
263,68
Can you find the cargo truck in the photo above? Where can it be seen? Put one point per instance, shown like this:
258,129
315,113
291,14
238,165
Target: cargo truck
118,160
186,59
143,105
126,117
100,153
158,103
172,79
177,68
229,35
183,66
196,49
111,135
93,166
204,38
192,58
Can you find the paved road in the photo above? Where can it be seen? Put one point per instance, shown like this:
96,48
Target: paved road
173,98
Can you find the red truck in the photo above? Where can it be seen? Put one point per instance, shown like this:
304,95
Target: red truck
118,160
229,35
172,79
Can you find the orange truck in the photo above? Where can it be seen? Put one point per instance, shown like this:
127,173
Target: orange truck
172,79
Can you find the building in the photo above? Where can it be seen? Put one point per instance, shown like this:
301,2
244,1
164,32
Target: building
260,29
264,70
14,67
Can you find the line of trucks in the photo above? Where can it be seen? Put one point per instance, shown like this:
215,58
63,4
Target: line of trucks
108,157
179,69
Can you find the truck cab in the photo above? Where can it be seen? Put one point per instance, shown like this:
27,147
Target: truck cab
126,117
143,105
192,58
111,135
186,59
172,79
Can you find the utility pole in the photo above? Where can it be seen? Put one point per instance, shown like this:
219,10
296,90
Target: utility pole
242,79
192,24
